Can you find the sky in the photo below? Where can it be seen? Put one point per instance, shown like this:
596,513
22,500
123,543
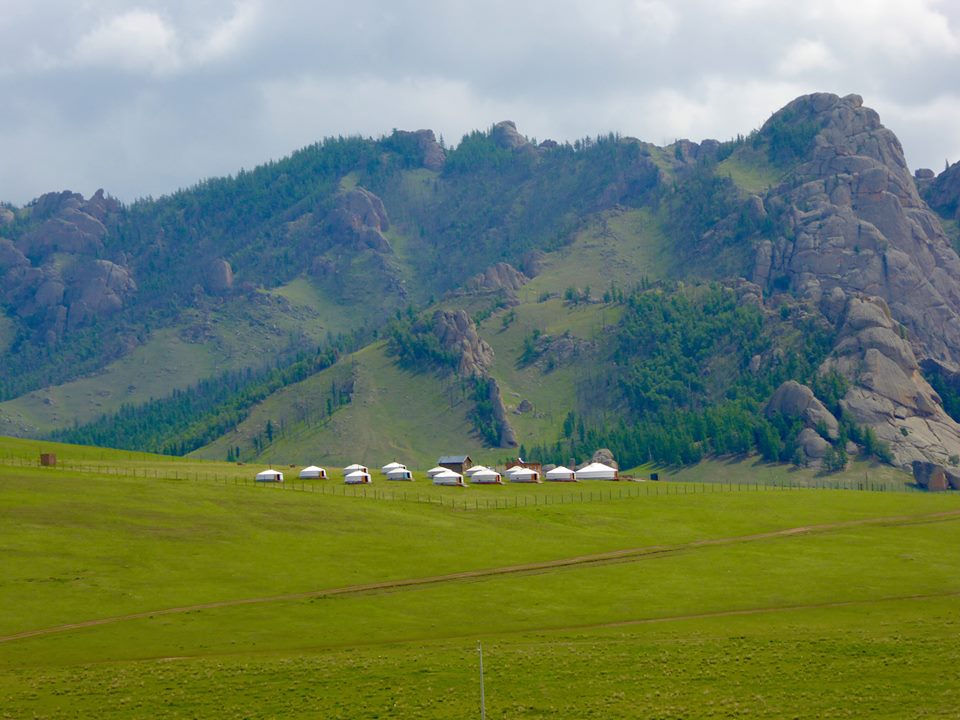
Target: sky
143,98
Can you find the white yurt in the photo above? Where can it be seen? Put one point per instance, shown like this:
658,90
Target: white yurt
597,471
312,472
357,477
518,473
392,466
434,471
448,477
486,477
270,476
473,470
400,473
356,467
561,474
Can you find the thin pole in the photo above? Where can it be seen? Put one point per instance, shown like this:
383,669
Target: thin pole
483,703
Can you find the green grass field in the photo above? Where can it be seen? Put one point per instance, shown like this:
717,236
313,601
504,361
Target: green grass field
126,596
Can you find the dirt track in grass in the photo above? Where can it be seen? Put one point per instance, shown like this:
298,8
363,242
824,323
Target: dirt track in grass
613,556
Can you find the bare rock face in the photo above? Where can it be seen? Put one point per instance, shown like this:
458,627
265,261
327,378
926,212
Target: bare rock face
508,437
218,277
457,333
506,136
888,392
501,276
943,192
432,155
10,256
852,219
794,400
97,290
54,275
360,219
71,226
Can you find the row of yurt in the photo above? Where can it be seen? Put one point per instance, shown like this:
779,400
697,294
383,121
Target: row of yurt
357,474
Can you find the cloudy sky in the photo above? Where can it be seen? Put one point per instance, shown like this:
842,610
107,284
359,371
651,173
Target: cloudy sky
142,98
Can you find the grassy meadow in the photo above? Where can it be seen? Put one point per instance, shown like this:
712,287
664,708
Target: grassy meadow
129,592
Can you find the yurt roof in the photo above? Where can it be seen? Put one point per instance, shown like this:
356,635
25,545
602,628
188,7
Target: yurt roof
354,468
486,472
358,473
447,474
434,470
475,469
597,467
393,466
559,470
312,468
269,472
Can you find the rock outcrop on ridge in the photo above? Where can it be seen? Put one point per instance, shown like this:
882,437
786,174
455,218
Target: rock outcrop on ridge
854,239
54,276
850,217
888,392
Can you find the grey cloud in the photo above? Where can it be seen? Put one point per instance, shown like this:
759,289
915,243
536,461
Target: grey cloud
235,83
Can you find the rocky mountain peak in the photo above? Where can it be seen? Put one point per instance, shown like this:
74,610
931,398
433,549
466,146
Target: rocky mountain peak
506,136
849,217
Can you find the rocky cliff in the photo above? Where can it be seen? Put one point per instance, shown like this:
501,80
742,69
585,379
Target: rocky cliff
854,239
54,276
850,217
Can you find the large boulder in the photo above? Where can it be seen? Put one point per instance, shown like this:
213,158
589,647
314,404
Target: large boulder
359,219
218,277
888,393
501,276
813,446
506,136
794,400
935,478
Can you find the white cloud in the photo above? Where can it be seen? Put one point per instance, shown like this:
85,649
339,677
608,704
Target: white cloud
803,56
230,36
134,41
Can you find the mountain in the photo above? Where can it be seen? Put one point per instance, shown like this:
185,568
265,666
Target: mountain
790,292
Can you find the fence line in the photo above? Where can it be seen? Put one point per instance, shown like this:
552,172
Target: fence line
582,494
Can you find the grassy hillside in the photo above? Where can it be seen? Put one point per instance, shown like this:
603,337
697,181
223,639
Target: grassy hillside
209,599
249,332
394,414
419,416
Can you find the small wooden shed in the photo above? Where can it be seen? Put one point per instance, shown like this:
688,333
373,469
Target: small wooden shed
458,463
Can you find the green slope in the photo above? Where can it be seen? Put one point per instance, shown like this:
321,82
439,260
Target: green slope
394,414
247,332
419,416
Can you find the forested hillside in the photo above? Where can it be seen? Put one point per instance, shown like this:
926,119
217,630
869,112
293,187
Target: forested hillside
559,296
